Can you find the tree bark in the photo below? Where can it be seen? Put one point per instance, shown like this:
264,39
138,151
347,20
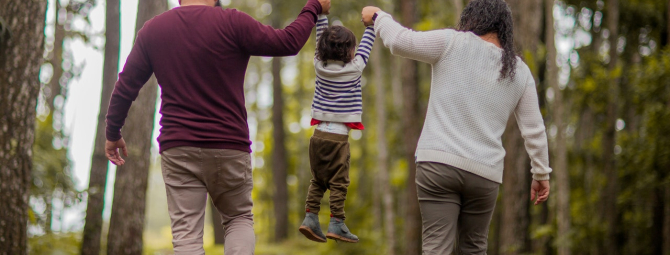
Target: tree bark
412,129
98,177
560,149
515,216
20,61
514,202
279,162
279,158
54,86
382,151
609,209
128,207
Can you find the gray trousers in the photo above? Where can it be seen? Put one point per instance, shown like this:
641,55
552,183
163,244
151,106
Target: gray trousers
190,173
455,205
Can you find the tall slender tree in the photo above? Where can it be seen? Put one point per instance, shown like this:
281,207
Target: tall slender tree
279,157
98,176
128,208
412,129
560,160
21,47
382,151
609,208
458,8
57,59
515,217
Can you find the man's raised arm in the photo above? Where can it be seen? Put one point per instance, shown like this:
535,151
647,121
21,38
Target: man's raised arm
257,39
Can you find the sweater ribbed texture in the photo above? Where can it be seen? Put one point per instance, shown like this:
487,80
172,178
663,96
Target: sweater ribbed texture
469,105
338,92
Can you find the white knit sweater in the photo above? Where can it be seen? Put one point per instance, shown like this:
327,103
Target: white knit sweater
469,106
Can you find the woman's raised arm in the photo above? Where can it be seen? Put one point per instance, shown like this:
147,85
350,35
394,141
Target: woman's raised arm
422,46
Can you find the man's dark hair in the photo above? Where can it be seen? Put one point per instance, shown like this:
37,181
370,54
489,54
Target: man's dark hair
492,16
336,43
218,3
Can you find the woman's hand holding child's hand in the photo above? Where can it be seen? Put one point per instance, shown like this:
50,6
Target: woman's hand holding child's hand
367,14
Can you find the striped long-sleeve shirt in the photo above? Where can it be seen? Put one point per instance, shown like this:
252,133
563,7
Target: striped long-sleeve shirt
338,93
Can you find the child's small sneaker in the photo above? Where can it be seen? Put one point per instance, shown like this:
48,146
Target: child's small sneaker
311,228
337,230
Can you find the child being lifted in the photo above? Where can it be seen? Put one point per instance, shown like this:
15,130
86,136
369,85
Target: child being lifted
336,108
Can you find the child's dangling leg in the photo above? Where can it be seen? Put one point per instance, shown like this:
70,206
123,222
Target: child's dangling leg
338,185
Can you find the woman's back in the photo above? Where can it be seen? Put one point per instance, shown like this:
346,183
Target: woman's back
470,103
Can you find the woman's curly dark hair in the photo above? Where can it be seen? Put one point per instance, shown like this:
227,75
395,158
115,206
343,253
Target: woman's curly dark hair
492,16
336,43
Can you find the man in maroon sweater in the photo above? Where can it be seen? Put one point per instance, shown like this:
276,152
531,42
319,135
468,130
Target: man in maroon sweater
199,54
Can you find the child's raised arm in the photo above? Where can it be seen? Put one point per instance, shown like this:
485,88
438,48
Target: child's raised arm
365,47
321,24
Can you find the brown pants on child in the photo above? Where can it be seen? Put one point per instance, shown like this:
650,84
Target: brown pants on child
329,162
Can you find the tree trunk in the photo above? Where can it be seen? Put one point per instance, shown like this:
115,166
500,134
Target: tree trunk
412,130
382,151
20,61
279,158
514,202
560,150
98,177
458,8
54,86
128,207
515,216
609,209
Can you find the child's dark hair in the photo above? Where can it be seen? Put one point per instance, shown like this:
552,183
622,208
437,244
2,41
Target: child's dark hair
336,43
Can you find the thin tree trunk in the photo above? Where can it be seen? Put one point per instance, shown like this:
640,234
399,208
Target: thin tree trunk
514,202
458,8
560,150
515,216
279,158
609,140
128,207
48,200
20,61
54,86
98,177
412,129
382,151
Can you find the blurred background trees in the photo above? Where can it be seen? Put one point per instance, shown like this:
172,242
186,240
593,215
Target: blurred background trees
602,69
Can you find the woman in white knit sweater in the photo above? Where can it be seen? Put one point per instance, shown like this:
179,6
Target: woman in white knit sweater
477,83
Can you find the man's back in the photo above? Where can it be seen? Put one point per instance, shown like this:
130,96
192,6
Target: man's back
199,55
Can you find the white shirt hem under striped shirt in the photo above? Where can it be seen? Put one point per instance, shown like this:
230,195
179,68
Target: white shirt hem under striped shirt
338,93
469,106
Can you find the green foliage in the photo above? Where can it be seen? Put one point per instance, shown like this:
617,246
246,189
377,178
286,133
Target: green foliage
51,174
55,244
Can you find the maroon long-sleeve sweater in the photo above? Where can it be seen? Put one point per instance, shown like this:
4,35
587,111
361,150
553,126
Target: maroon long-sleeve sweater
200,55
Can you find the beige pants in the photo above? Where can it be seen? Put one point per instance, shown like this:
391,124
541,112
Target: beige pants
190,173
455,205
